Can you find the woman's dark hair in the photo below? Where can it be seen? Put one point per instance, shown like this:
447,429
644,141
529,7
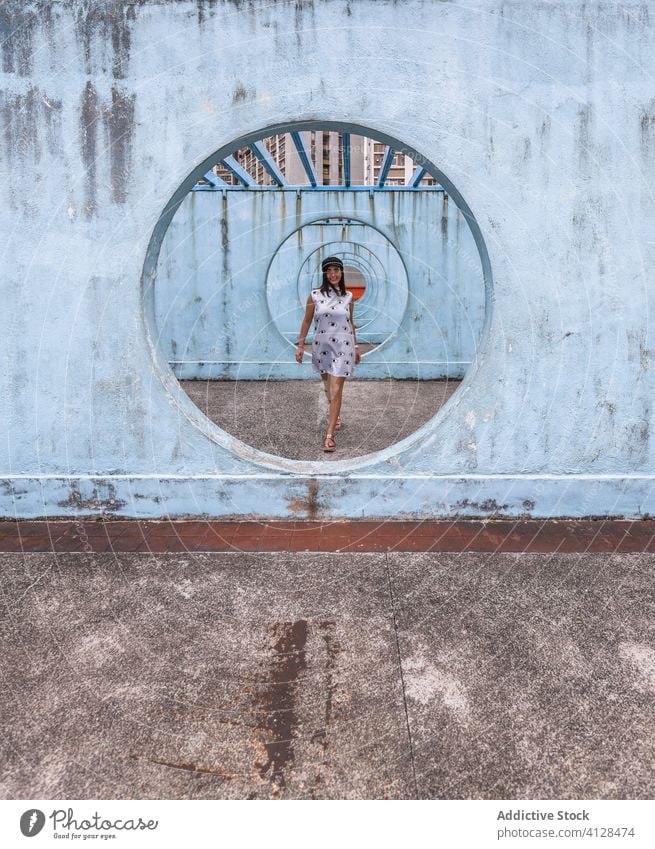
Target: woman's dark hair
326,285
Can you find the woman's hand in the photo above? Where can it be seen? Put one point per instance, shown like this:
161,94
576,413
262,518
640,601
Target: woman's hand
300,351
358,356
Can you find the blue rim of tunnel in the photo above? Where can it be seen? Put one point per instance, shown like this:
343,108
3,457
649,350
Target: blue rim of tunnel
171,384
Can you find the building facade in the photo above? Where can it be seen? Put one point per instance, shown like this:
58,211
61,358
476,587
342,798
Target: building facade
325,149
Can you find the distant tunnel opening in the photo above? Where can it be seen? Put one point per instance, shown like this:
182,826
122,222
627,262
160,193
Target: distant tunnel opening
356,282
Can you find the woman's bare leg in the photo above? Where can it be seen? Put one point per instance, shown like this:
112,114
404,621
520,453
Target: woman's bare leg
336,391
326,386
328,390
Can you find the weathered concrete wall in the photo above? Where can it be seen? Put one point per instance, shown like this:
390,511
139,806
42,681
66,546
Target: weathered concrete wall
236,268
540,114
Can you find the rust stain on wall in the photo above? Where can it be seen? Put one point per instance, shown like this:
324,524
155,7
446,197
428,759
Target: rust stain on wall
311,506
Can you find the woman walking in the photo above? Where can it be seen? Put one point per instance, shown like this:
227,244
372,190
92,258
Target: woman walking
335,352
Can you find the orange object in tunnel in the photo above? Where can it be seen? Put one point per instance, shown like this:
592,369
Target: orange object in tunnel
357,291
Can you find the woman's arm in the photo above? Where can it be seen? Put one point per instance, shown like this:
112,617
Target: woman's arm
304,328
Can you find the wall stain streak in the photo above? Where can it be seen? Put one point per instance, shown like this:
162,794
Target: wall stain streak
19,122
444,218
52,115
121,41
225,237
647,129
90,114
202,7
300,6
240,94
103,24
109,504
119,121
488,506
21,116
225,293
17,28
583,142
544,135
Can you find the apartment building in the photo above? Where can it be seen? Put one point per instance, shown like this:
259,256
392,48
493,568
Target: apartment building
325,149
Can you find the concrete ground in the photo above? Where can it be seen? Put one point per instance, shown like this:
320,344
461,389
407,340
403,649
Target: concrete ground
386,675
289,417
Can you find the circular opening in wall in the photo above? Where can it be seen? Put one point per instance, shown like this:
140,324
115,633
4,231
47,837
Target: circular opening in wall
233,282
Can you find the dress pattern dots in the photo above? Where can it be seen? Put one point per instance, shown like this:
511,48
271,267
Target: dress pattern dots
333,345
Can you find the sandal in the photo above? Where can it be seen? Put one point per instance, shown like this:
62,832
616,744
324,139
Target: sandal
328,443
339,424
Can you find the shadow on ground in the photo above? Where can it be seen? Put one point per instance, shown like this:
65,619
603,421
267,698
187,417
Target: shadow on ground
289,417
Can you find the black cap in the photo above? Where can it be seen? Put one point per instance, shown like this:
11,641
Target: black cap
331,260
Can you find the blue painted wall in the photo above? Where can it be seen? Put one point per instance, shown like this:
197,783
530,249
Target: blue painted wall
236,268
540,117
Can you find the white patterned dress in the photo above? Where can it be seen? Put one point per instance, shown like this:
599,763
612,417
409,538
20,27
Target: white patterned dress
333,345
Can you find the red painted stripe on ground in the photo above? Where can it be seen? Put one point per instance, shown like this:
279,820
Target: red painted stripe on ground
96,536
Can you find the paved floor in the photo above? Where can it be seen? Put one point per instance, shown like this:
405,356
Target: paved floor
319,675
289,417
